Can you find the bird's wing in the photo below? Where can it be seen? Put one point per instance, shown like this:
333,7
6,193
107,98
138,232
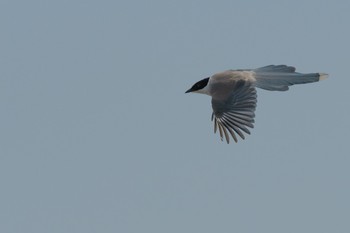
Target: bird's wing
236,113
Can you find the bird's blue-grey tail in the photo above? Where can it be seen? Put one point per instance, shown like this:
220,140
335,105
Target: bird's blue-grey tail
279,78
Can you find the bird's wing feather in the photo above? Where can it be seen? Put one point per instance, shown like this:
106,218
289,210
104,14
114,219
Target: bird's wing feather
236,113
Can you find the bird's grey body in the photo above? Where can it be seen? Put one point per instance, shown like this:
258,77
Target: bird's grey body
234,95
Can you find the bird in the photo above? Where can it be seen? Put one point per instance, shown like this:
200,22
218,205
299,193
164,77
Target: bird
234,96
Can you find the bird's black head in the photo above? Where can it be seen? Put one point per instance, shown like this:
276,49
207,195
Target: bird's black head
198,85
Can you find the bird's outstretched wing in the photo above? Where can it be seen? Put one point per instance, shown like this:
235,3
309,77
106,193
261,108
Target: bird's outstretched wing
236,113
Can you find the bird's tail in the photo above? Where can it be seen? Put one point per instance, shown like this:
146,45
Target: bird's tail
278,78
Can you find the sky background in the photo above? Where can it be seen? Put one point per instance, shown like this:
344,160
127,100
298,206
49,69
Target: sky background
97,135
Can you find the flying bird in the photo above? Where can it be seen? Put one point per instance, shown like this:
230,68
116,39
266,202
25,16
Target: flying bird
234,95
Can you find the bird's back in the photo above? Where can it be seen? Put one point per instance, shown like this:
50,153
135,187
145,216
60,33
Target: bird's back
224,83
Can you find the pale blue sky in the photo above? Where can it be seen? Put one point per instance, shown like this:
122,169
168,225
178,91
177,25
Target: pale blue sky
97,135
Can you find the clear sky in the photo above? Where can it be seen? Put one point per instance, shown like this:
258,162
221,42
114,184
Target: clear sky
97,135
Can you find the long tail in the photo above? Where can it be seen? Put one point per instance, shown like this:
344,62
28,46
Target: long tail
278,78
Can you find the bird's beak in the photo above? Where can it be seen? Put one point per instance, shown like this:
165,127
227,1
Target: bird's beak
189,90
